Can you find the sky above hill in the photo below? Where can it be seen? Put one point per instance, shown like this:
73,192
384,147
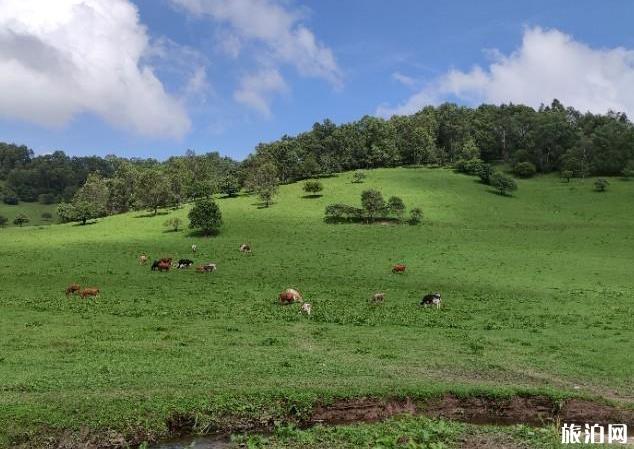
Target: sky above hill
153,78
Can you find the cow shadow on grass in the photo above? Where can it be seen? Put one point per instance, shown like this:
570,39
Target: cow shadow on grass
262,205
312,196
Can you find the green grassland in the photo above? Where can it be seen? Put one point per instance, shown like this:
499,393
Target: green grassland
32,210
538,294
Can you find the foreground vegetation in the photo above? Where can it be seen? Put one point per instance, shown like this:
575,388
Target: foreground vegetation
537,296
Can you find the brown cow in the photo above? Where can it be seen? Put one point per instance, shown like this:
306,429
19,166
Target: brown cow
166,260
399,268
378,298
142,259
89,292
72,288
290,295
164,266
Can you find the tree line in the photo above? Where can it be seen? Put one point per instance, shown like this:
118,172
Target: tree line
551,138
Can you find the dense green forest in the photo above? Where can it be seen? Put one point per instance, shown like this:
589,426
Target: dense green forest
552,138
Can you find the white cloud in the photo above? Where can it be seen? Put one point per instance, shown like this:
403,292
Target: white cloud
256,89
62,58
549,64
404,79
275,29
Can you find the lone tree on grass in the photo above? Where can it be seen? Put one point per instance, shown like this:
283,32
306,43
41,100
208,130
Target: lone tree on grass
173,223
372,203
264,182
205,216
359,176
88,203
21,220
504,184
313,187
601,185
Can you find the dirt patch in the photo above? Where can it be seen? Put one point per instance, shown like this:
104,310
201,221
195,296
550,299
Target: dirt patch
361,410
530,410
535,410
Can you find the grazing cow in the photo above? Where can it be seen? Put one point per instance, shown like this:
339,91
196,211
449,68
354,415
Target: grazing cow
72,289
164,266
194,248
306,308
432,299
89,292
155,265
244,248
399,268
378,298
142,259
185,263
166,260
207,268
290,295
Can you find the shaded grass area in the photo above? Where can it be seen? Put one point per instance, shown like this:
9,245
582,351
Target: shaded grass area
537,295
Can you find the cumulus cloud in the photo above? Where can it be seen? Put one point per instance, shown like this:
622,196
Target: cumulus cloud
279,32
67,57
256,89
405,80
549,64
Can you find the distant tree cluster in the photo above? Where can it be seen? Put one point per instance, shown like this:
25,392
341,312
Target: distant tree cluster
551,138
373,207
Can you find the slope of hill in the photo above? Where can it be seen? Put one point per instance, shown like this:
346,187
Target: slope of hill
537,292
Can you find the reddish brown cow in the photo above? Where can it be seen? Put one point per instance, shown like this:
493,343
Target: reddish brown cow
399,268
89,292
167,260
164,266
290,295
72,288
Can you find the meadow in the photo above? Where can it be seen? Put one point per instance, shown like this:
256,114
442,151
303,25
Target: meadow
538,296
32,210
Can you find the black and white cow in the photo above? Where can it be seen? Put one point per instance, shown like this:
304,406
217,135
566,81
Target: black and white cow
432,299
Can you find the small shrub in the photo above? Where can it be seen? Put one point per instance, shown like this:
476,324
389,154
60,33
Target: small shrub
566,174
313,187
415,216
396,206
173,223
343,211
504,184
469,166
359,176
3,221
46,216
485,172
21,220
525,169
601,185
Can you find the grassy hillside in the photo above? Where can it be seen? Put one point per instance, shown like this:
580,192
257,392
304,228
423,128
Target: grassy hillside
537,290
32,210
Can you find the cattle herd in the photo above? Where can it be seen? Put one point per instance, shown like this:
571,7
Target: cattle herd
288,296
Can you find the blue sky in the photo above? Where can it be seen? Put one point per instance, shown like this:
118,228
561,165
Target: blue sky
152,78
